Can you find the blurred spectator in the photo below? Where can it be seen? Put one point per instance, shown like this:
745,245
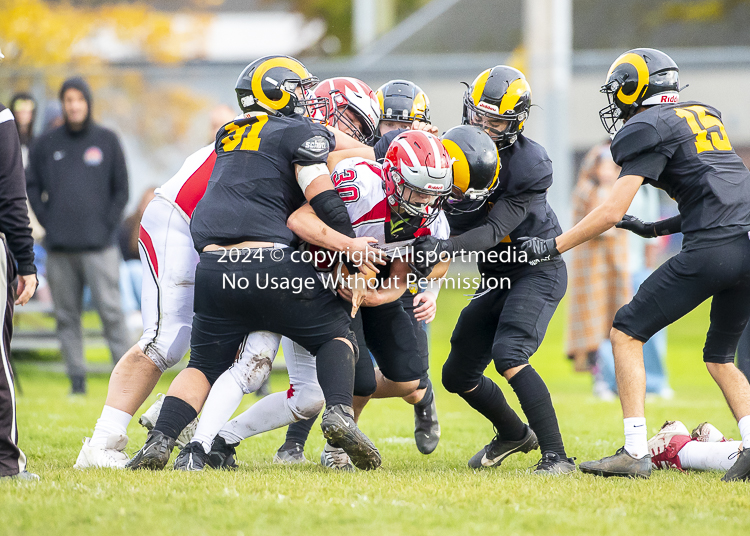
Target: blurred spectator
78,186
53,116
220,116
23,107
16,246
642,260
131,269
599,283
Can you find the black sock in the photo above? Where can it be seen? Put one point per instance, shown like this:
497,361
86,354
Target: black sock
488,400
335,362
536,403
175,415
297,432
427,398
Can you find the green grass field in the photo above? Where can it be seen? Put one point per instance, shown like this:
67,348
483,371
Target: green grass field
411,493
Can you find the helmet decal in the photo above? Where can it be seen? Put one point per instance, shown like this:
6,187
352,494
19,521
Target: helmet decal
260,73
641,68
515,91
461,172
479,84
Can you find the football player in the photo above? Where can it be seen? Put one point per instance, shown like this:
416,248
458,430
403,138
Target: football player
509,313
703,449
268,163
408,189
169,260
401,104
683,149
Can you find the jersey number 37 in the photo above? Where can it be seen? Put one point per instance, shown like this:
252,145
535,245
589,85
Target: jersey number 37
709,132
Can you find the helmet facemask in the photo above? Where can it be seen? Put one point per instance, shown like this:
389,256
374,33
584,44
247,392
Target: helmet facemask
338,116
483,119
408,201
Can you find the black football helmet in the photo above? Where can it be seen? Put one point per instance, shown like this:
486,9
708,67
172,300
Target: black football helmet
640,77
401,100
499,93
270,85
476,164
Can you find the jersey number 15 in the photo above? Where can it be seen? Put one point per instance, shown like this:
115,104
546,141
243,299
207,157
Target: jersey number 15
702,124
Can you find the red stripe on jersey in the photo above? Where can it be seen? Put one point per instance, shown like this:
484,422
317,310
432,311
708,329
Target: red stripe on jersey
379,212
145,239
195,187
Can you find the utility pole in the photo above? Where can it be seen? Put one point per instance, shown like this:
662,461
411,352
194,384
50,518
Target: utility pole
364,24
548,40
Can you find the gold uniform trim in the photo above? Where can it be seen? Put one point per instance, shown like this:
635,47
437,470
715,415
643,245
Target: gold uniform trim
260,72
640,66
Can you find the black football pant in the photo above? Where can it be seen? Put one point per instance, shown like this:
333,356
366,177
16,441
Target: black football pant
685,281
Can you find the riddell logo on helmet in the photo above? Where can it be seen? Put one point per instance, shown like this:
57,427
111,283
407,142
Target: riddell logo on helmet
487,106
432,186
669,98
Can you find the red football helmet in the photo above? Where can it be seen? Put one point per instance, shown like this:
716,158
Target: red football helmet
344,95
417,174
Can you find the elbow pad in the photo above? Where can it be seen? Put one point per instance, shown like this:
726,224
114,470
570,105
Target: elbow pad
329,207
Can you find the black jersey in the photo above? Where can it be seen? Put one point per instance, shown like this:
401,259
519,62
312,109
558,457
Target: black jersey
253,187
684,150
525,175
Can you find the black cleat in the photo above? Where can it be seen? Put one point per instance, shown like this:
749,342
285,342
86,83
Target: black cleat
553,464
741,468
339,427
192,457
223,455
290,453
154,454
426,428
498,449
620,464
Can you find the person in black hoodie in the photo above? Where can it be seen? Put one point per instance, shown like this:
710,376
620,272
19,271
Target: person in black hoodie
77,184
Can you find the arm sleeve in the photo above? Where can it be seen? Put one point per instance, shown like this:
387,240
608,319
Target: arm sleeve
669,226
505,216
35,184
119,189
14,216
329,207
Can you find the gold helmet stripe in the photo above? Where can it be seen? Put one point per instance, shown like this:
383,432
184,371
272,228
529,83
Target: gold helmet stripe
381,100
640,66
256,82
479,83
515,91
461,173
420,105
497,170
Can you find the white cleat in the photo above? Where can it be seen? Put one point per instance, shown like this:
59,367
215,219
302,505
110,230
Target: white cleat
336,458
666,444
151,415
110,456
706,432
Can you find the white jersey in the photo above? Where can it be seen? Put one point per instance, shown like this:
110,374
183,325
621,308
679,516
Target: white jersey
359,183
188,185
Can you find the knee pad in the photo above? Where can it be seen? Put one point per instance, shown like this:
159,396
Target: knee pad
507,356
255,361
166,349
720,346
456,379
305,401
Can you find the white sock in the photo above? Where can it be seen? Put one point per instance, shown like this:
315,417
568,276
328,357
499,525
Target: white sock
636,440
709,456
744,425
112,421
222,402
266,414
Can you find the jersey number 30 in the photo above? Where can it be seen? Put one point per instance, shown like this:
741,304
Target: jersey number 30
702,124
343,182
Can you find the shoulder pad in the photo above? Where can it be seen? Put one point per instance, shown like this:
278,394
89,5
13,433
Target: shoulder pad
528,168
636,137
315,148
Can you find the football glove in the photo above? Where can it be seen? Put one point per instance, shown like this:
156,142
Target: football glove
427,251
538,249
634,225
